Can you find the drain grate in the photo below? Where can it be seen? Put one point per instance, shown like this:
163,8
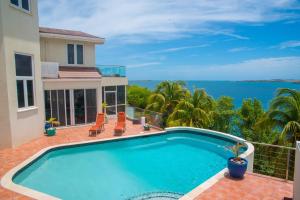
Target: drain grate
157,196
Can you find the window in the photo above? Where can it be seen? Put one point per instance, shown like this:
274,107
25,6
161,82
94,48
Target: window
79,54
22,4
24,76
70,53
75,54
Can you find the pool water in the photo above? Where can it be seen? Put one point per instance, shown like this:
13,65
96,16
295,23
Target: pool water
174,162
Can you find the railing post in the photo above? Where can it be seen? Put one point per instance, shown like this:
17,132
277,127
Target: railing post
297,172
288,165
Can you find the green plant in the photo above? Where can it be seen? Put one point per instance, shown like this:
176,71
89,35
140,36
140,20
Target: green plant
104,105
53,122
236,149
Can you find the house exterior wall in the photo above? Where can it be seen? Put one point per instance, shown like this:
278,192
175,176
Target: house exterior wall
111,81
19,33
55,50
5,135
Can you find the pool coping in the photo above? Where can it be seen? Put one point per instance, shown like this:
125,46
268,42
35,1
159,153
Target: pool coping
6,180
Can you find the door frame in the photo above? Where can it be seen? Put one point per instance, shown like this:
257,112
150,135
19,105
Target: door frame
115,105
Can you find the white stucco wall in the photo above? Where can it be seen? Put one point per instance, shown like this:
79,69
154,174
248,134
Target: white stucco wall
55,50
111,81
19,34
5,136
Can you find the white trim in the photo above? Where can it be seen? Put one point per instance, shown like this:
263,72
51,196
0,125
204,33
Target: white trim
25,79
72,80
19,6
25,109
7,182
75,54
73,38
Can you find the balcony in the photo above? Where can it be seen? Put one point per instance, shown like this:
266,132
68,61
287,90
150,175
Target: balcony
112,70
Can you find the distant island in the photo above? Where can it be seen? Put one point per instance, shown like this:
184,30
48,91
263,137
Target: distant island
274,80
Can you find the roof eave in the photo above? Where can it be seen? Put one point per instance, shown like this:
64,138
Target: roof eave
72,37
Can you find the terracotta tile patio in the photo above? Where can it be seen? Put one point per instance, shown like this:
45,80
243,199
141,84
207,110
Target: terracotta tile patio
252,187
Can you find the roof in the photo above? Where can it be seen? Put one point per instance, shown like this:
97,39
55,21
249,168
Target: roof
74,72
69,34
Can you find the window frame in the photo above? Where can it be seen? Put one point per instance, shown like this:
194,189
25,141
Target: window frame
19,6
75,53
25,79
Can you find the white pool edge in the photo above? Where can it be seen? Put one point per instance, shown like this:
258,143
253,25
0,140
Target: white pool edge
6,180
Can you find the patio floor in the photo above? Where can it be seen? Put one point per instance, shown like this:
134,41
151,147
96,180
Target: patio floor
253,186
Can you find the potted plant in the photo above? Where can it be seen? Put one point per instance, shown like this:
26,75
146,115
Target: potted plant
236,165
104,105
50,130
146,127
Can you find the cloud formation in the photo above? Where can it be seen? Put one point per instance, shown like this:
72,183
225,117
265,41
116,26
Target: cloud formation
148,20
289,44
252,69
239,49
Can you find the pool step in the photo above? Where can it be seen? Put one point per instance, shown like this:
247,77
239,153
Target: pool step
157,196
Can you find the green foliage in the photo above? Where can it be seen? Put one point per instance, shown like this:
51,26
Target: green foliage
285,112
137,96
193,111
166,96
224,114
180,107
236,149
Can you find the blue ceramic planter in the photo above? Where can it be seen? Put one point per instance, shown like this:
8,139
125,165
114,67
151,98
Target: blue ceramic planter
237,170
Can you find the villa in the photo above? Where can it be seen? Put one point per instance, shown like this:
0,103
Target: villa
48,72
52,73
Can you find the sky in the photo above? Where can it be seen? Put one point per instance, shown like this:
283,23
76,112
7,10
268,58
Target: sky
188,39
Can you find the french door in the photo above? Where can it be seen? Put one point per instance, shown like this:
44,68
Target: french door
71,107
110,99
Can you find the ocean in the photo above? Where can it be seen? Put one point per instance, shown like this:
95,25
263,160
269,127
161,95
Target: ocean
238,90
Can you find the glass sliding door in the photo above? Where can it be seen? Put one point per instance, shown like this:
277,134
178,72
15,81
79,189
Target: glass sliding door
79,106
47,105
57,105
68,107
71,107
61,107
54,109
91,105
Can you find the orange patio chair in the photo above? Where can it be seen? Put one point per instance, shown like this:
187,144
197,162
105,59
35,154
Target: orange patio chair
99,126
121,123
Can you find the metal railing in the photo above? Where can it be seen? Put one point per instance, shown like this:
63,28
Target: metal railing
112,70
152,118
274,160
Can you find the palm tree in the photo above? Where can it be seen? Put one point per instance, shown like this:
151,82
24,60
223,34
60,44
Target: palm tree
194,111
285,111
166,96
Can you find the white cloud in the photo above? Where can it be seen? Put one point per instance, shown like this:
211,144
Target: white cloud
148,20
289,44
239,49
142,64
253,69
177,49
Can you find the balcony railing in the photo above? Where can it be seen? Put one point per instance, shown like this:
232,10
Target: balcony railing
274,160
112,71
152,118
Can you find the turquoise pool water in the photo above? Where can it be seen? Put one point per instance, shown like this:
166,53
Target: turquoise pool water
174,162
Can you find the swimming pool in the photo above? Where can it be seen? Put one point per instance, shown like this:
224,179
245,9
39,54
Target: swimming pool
174,161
